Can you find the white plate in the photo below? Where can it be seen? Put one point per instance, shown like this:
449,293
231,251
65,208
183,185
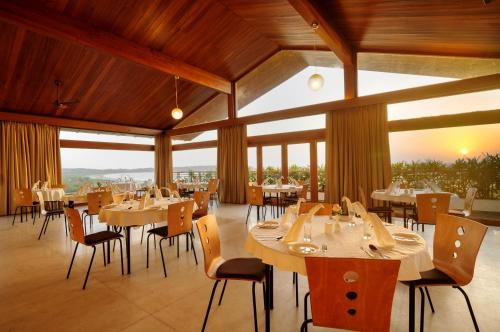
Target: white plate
269,225
303,248
406,238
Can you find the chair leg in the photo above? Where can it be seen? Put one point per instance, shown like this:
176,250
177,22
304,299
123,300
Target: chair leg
296,289
254,308
248,213
264,294
72,259
104,253
46,221
15,213
90,266
422,309
192,247
142,234
429,298
65,226
162,259
121,254
147,251
209,304
177,238
306,320
222,293
187,242
469,306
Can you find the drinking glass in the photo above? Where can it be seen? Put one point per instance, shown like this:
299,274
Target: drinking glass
351,218
307,231
367,231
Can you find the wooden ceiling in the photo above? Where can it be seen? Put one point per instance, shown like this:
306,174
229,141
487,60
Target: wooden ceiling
224,38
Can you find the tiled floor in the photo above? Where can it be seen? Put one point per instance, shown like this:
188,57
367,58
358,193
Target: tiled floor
35,296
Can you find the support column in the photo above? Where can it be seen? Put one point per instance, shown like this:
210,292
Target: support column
259,164
284,163
231,102
351,78
313,165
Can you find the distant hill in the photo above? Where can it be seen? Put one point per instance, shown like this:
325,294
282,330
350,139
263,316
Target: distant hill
92,171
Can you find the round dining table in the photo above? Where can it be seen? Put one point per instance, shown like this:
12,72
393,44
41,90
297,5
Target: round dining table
278,190
268,245
128,215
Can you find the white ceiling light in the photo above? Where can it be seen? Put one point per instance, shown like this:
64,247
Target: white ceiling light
315,81
176,112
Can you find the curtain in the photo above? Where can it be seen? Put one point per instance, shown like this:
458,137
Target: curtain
357,152
28,153
232,164
163,160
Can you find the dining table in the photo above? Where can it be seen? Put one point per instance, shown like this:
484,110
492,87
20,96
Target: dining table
129,214
278,190
192,186
51,194
349,241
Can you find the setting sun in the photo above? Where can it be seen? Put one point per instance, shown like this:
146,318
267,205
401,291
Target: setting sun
464,151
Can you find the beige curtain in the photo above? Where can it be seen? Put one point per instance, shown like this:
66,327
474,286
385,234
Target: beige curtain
28,153
163,160
232,164
357,152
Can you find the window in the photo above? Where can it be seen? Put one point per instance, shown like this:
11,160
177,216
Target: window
454,158
298,162
87,165
271,163
191,165
321,150
210,135
286,126
104,137
252,164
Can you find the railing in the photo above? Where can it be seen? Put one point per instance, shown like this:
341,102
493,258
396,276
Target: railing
192,176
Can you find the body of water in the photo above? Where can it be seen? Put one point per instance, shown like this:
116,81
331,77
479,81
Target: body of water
140,176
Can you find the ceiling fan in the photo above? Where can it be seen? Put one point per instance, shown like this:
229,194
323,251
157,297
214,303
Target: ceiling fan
62,104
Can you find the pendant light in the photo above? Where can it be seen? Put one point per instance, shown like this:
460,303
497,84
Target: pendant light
315,81
176,112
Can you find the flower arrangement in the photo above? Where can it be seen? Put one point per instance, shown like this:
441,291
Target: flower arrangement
336,209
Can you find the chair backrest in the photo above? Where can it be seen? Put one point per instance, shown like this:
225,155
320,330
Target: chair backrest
180,216
201,199
210,242
96,200
75,225
352,293
430,205
119,198
326,210
456,244
469,200
213,185
303,192
172,186
23,197
255,195
362,196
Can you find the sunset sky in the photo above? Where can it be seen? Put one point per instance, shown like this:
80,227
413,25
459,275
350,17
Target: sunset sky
440,144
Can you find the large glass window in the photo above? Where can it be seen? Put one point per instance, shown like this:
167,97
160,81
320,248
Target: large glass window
80,166
288,125
198,164
454,158
77,135
271,163
321,151
252,164
210,135
298,163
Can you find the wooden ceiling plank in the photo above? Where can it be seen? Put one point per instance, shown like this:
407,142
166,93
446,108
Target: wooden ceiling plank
329,34
77,124
59,26
13,57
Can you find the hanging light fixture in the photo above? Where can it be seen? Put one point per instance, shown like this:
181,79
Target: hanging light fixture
176,112
315,81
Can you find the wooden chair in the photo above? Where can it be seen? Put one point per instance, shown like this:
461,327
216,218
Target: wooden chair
326,210
429,206
172,186
255,197
456,244
201,198
468,202
218,269
91,240
179,223
49,211
95,201
23,198
385,211
293,199
350,293
213,187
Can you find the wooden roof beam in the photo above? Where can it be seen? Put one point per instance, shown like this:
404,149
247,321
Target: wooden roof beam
47,22
329,34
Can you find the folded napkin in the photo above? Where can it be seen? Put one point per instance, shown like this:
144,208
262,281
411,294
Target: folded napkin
384,238
266,181
142,203
296,229
359,209
158,194
36,185
45,185
300,201
434,187
390,188
149,202
286,218
175,193
350,207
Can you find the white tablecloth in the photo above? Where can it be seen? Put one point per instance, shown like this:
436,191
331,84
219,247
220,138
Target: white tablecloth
53,194
127,213
285,188
402,197
192,186
414,257
124,186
